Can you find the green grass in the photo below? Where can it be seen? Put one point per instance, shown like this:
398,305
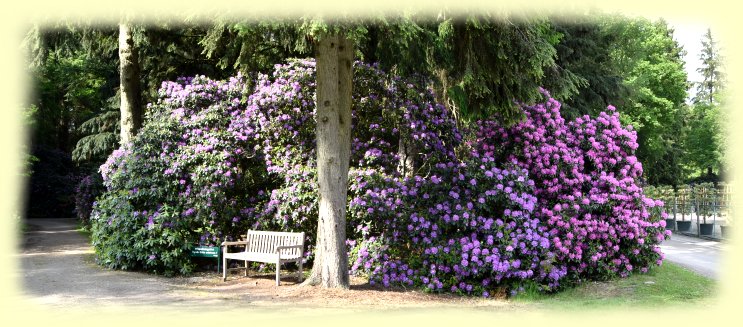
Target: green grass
84,230
666,286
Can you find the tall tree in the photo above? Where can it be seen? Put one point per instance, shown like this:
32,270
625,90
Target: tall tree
334,87
257,45
131,92
658,89
711,70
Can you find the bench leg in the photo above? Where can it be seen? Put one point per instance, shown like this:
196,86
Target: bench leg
278,266
299,274
224,269
246,268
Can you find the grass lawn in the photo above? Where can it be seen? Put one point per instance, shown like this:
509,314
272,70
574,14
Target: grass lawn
667,286
83,230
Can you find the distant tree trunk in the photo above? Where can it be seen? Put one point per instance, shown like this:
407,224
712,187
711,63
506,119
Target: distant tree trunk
131,102
408,154
334,83
441,95
63,130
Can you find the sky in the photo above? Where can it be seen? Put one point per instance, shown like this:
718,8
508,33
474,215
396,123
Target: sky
689,36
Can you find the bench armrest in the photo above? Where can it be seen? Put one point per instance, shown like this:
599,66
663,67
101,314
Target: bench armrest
235,243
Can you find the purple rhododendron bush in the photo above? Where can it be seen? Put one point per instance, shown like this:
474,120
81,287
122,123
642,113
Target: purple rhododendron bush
465,227
215,158
540,204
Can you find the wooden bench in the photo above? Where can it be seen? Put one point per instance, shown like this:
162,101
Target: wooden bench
266,247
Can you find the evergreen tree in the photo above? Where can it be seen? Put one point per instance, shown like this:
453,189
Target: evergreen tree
713,79
706,142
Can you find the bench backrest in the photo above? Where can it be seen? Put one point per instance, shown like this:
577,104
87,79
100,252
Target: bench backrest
266,242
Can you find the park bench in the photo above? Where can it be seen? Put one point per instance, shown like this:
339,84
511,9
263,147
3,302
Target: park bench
266,247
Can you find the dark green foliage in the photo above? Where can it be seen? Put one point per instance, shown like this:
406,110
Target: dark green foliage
101,135
253,46
170,50
482,63
73,69
584,50
70,90
50,193
494,63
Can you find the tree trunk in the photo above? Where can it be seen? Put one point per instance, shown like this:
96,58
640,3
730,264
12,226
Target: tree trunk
334,82
408,154
442,95
63,130
131,103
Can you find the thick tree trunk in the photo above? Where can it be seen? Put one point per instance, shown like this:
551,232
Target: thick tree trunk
334,82
131,103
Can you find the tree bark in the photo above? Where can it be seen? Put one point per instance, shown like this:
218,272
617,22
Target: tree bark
334,83
315,277
131,102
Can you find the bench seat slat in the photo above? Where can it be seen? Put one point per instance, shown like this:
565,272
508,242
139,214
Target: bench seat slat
261,257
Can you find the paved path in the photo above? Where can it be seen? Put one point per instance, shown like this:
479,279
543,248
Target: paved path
58,270
699,255
57,267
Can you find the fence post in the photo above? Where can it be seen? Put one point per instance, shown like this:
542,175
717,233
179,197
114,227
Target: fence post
696,208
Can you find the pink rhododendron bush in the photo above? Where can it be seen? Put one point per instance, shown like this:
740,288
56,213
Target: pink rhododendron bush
540,204
599,221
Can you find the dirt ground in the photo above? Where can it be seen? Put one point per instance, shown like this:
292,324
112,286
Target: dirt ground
57,270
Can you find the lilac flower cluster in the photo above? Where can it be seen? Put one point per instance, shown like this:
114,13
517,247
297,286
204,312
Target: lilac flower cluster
384,108
89,187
